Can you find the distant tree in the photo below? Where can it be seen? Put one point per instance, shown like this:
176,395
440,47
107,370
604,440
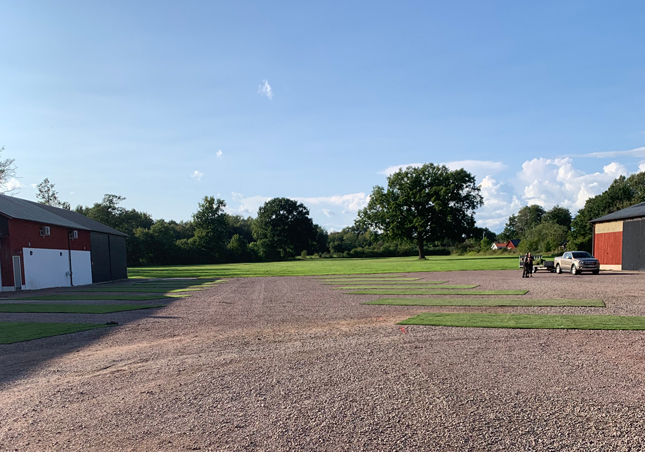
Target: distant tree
7,171
558,215
423,205
283,229
545,237
48,196
622,193
210,224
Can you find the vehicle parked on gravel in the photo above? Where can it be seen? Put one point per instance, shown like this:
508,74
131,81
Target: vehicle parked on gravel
577,262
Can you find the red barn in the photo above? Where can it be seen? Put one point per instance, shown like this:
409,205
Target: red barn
43,246
618,239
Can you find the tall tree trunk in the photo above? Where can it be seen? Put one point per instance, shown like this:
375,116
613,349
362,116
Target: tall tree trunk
422,252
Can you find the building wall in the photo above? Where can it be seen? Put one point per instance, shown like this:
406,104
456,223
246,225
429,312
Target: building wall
608,244
44,260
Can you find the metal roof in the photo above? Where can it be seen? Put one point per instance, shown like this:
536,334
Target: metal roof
21,209
634,211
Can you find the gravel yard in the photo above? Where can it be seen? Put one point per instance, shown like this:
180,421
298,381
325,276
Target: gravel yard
291,364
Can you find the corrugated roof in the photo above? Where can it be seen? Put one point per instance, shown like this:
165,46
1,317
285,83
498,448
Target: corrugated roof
22,209
635,211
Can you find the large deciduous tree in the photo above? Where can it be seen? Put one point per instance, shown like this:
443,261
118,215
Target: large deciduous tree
283,229
424,204
211,227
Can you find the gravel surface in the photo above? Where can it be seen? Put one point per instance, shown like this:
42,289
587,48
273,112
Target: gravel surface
288,363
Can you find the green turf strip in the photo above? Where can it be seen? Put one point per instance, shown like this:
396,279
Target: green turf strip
139,289
578,322
349,280
437,292
385,283
72,308
483,302
456,286
378,275
91,296
11,332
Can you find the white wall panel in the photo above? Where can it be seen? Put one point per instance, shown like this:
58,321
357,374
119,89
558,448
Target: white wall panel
45,268
81,268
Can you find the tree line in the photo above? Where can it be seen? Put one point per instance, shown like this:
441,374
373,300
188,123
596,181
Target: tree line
422,211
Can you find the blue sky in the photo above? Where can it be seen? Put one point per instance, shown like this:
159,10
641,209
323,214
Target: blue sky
167,102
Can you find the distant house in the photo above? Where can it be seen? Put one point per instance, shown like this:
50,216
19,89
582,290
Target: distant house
510,245
43,246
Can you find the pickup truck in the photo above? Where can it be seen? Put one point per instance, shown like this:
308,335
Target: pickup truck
577,262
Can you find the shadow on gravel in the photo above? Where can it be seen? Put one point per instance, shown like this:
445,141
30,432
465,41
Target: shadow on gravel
20,359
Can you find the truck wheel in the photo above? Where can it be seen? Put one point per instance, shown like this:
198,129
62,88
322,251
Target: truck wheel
558,270
574,270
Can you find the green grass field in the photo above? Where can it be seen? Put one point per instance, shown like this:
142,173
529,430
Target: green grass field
578,322
386,283
369,280
140,289
484,302
454,286
319,267
437,291
72,308
91,296
11,332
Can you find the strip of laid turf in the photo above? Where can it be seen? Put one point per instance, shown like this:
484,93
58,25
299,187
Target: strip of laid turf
455,286
346,280
384,283
91,296
377,275
484,302
11,332
72,308
140,289
437,292
578,322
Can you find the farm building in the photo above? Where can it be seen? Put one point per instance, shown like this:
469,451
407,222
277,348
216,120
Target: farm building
43,246
618,239
510,245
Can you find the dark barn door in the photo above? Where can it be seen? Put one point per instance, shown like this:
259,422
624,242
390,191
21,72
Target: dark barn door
633,245
118,258
100,257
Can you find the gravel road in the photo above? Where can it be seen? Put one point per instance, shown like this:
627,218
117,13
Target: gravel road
274,364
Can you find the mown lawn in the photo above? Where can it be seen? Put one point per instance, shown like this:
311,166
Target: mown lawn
317,267
72,308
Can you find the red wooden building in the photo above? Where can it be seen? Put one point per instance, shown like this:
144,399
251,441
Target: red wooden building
43,246
618,239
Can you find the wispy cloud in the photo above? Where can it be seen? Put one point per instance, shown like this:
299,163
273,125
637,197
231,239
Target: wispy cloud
480,168
265,89
219,153
637,152
197,175
328,213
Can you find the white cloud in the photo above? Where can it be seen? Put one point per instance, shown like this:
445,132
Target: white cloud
248,205
637,152
548,182
219,153
34,185
265,89
499,203
352,202
12,184
328,213
479,168
641,166
197,175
